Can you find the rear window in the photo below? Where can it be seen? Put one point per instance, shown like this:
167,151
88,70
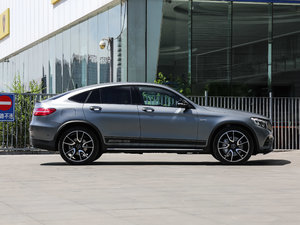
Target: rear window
111,95
94,97
80,98
116,95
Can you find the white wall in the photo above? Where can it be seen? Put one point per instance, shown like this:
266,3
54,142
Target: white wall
31,20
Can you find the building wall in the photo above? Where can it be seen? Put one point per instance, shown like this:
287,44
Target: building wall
30,21
69,57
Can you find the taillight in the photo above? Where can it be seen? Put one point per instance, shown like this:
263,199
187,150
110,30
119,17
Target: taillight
43,111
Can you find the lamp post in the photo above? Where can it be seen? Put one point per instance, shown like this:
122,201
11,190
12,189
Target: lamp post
110,44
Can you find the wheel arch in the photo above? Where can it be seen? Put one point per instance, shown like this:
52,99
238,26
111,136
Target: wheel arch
73,123
228,124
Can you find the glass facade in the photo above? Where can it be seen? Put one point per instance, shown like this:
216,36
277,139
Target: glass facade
238,48
72,58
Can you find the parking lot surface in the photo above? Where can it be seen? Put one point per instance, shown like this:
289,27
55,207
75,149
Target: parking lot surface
150,189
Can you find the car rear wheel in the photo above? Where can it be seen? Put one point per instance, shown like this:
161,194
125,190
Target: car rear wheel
78,146
233,145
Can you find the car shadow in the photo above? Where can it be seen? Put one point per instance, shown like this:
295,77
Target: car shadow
264,162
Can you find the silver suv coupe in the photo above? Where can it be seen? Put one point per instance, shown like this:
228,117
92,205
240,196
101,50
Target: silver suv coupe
137,118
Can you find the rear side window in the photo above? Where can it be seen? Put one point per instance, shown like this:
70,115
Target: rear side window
116,95
80,97
94,97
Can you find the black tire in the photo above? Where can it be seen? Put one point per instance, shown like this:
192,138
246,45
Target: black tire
233,145
98,155
78,146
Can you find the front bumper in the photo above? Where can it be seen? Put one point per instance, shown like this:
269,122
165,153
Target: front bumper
266,145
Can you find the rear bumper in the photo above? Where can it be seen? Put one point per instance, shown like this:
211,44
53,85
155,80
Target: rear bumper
48,145
43,137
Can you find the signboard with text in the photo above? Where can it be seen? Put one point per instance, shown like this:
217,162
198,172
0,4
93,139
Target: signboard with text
7,107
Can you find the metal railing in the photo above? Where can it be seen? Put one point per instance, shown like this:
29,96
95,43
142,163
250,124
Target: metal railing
284,113
15,135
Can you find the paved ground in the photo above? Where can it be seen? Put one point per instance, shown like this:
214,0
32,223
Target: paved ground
150,189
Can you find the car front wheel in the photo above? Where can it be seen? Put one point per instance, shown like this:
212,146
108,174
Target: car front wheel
233,145
78,146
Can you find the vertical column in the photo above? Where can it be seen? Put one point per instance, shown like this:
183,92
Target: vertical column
270,47
190,42
136,40
154,23
229,48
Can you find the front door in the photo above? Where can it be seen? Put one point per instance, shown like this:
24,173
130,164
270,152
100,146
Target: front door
163,123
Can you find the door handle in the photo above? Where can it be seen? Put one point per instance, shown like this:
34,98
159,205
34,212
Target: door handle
148,109
95,108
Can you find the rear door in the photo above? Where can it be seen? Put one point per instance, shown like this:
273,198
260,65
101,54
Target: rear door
112,110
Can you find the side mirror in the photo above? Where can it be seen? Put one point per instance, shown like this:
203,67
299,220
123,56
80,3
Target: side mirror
183,104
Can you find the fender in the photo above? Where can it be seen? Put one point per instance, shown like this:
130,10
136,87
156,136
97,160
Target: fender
101,139
228,123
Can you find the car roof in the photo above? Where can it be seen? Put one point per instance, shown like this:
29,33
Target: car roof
102,85
71,93
68,94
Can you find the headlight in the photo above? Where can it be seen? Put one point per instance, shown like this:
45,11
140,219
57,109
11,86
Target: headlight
262,123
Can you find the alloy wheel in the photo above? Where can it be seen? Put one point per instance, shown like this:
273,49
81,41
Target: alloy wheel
78,146
233,146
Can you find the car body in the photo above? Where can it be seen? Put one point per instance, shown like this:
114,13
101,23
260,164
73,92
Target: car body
139,117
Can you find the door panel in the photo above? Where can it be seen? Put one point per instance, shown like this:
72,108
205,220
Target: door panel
163,121
112,110
168,123
114,120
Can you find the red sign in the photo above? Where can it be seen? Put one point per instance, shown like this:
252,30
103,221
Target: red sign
5,102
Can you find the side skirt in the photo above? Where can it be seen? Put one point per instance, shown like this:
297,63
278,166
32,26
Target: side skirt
155,150
151,143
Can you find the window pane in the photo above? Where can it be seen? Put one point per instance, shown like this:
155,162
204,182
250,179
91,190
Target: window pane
102,21
45,67
75,57
58,63
93,49
80,97
250,50
286,51
68,84
83,51
211,35
116,95
158,97
51,64
174,52
94,97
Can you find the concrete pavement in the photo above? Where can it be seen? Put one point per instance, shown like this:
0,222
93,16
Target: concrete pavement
150,189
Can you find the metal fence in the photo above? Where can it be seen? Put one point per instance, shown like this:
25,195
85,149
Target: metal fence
15,135
284,113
